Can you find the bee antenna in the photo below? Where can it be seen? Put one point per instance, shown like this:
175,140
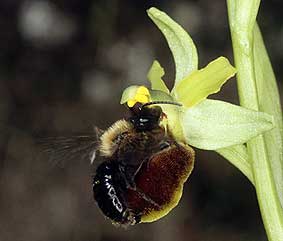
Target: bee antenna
161,102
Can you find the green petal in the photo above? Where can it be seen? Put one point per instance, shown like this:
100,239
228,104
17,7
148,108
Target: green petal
216,124
179,41
154,76
201,83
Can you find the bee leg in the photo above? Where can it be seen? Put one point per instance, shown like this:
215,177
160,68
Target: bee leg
164,145
129,182
131,185
92,156
128,173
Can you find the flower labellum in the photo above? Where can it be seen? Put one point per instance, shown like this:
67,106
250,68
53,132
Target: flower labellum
162,180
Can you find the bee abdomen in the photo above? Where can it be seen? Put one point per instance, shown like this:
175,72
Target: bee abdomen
109,197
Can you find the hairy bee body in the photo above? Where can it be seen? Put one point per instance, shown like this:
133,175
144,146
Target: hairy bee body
139,159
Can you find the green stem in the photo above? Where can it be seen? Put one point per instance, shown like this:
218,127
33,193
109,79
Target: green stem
242,15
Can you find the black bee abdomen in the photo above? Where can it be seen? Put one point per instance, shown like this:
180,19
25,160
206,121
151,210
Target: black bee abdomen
106,194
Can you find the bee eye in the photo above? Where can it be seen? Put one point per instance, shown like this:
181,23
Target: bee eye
142,120
146,123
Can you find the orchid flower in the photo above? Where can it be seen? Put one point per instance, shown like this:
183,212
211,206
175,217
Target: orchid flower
201,122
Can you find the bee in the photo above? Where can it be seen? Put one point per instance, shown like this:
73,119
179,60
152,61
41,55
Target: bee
143,170
142,167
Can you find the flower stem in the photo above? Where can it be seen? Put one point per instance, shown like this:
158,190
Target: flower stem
242,15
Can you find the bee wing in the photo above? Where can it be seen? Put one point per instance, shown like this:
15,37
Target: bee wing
56,149
59,149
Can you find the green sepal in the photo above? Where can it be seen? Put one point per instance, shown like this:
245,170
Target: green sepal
214,124
180,43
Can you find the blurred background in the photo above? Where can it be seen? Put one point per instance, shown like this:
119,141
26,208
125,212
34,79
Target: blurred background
63,67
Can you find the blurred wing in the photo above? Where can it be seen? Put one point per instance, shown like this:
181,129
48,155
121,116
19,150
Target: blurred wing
66,148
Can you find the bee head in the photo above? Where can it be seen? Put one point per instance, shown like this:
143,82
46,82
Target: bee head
146,117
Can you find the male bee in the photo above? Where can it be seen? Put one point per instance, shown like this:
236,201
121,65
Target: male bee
143,169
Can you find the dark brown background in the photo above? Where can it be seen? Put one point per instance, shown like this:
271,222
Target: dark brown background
63,67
